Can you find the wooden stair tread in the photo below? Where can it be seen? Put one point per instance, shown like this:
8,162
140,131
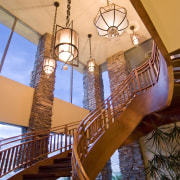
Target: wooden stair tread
60,174
55,166
60,160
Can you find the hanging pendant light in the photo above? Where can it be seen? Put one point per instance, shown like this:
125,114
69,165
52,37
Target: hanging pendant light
49,65
49,62
134,36
66,42
91,63
111,20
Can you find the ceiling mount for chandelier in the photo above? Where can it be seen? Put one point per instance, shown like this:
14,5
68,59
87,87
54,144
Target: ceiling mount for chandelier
111,20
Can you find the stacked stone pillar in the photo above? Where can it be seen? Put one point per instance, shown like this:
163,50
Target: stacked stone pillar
93,96
41,112
117,69
131,161
93,88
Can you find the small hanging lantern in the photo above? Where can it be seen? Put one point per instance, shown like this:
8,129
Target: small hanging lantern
66,44
49,62
49,65
111,20
134,36
91,63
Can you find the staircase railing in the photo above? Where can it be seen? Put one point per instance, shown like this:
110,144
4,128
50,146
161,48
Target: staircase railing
24,150
99,120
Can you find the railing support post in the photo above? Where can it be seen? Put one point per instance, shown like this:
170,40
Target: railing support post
138,81
65,133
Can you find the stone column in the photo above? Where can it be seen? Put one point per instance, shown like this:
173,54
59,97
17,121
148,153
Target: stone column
117,70
41,112
131,162
93,88
93,96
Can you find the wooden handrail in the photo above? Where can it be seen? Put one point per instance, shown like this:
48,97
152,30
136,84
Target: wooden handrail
27,149
100,119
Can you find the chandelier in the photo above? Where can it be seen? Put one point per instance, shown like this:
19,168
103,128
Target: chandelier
67,41
134,36
111,20
91,63
64,44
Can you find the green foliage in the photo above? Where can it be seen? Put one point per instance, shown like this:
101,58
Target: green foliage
165,164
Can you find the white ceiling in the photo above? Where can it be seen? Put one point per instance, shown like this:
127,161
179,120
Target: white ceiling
39,14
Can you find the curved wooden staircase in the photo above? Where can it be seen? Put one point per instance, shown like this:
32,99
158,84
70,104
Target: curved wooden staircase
147,89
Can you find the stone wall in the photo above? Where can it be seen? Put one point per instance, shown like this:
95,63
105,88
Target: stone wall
93,96
93,88
117,69
40,117
131,162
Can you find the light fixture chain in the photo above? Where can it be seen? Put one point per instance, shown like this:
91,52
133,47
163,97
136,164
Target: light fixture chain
53,32
68,12
90,47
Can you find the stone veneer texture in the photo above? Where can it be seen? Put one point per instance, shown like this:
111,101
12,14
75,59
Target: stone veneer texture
93,88
41,112
131,162
117,69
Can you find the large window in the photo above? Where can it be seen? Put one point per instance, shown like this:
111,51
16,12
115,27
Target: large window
19,60
63,84
20,57
7,131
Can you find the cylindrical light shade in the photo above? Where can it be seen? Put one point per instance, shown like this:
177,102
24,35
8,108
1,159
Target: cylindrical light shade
111,20
66,44
49,65
134,39
91,65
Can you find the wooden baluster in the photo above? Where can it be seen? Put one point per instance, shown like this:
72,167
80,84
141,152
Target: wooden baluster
54,142
146,78
11,159
3,161
109,113
58,141
152,73
27,154
15,156
65,133
6,161
138,81
23,154
50,143
143,83
70,139
61,141
19,155
33,150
